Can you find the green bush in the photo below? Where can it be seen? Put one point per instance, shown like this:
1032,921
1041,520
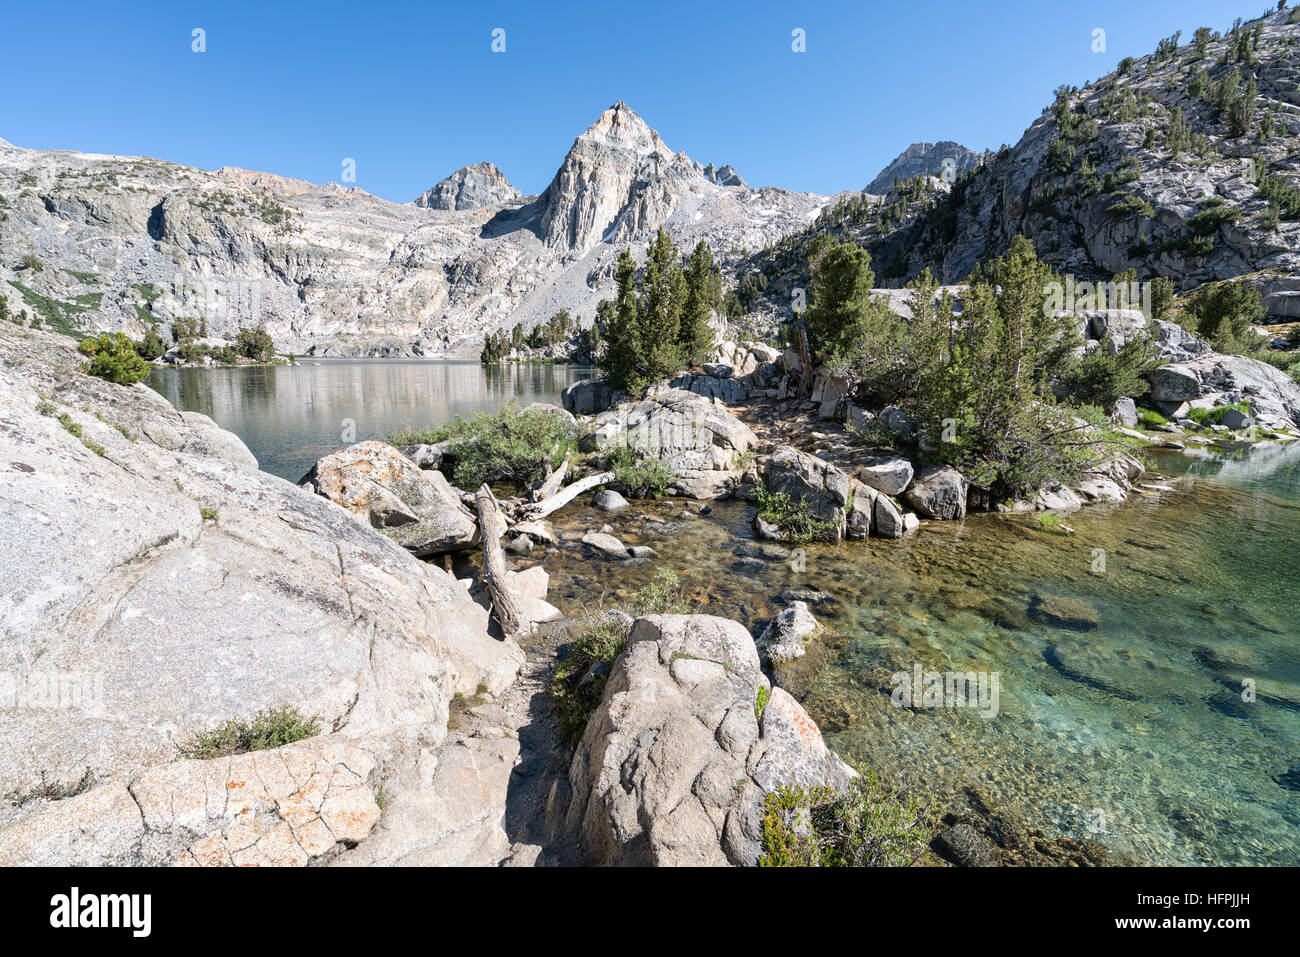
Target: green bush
576,699
509,445
1224,315
793,517
265,730
49,790
1215,416
1100,378
1151,418
113,357
255,344
664,595
871,825
151,346
639,475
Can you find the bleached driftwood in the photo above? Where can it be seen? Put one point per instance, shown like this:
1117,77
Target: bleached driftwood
546,506
504,605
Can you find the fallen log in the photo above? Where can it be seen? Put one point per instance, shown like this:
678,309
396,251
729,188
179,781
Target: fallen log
552,483
504,605
536,510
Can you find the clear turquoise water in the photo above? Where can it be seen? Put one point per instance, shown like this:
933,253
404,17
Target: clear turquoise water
1133,733
290,416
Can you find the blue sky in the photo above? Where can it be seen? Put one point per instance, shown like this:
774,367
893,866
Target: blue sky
412,91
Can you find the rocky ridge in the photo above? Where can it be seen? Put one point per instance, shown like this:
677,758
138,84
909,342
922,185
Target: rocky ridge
470,187
924,159
128,241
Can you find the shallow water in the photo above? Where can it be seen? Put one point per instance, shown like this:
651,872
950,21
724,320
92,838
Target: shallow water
1132,733
290,416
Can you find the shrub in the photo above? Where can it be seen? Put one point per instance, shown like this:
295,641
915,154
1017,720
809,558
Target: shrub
265,730
793,517
871,825
664,595
52,790
1100,378
113,357
576,693
509,445
1151,418
151,346
641,476
1215,416
1225,313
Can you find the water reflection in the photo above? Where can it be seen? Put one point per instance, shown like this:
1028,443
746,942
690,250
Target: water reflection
290,416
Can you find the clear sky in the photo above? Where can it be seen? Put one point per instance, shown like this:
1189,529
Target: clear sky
412,91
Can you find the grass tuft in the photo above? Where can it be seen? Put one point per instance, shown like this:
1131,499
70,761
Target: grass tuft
265,730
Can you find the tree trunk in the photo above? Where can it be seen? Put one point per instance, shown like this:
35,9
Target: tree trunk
557,501
805,360
494,565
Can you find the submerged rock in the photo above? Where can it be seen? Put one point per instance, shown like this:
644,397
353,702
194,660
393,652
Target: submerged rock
607,500
966,847
604,545
1062,612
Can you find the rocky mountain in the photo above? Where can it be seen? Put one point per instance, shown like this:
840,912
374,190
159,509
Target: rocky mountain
470,187
924,159
1183,164
91,242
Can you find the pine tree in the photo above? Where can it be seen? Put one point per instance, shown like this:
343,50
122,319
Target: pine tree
663,294
619,361
841,299
703,291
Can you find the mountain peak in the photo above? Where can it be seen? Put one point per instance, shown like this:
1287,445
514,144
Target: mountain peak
923,159
470,187
620,127
613,184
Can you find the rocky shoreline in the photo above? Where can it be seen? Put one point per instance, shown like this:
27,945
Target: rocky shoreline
156,567
194,587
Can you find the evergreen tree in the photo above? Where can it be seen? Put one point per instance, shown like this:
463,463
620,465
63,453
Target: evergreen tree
840,305
703,292
152,346
619,361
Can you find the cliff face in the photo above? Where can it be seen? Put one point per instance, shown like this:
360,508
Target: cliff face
123,242
1099,186
1163,167
471,187
924,159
